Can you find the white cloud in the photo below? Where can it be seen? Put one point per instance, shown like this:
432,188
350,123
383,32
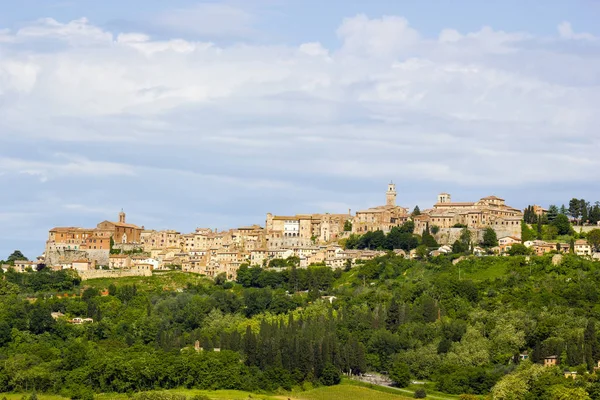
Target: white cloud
75,32
386,36
177,127
63,165
566,32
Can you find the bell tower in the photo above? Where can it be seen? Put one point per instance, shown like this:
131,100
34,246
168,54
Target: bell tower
122,217
390,195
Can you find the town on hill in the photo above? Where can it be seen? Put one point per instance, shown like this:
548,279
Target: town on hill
487,226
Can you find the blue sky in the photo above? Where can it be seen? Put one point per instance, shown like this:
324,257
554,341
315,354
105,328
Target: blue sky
210,114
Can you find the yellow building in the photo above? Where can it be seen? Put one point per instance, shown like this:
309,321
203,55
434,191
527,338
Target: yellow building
382,218
489,211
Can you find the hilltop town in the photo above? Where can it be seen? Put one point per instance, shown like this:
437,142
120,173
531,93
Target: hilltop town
120,248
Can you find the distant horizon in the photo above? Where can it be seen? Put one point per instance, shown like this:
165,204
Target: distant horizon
212,113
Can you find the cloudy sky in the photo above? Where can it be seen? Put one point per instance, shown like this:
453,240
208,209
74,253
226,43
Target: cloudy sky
209,114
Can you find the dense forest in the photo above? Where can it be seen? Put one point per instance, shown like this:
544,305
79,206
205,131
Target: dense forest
285,327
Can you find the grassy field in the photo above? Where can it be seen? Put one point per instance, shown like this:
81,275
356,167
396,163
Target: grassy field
345,391
169,280
341,392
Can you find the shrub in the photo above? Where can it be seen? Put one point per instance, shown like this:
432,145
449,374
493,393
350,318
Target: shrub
200,397
420,393
468,397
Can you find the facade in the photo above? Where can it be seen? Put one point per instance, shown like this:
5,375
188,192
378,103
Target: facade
303,229
489,211
121,231
382,218
68,244
582,248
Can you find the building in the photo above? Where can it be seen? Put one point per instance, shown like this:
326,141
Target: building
539,210
582,248
303,230
382,218
550,361
24,266
119,261
489,211
68,244
121,231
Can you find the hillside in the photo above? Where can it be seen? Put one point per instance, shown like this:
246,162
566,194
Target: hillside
463,327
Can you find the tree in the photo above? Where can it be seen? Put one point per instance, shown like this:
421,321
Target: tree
590,344
519,249
427,239
490,239
416,211
562,224
574,208
593,238
330,375
420,393
400,373
348,226
16,256
552,212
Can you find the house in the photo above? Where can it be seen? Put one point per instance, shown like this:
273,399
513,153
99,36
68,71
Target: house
119,261
508,240
550,361
570,374
24,266
596,256
582,248
83,265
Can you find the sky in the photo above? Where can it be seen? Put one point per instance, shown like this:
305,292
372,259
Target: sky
192,113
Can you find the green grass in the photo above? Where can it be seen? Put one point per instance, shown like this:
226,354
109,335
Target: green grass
168,280
18,396
346,392
216,394
403,392
348,389
213,394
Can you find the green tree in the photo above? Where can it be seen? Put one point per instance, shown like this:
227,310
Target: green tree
348,226
552,212
575,210
490,239
519,249
330,375
420,393
562,224
16,256
400,373
416,211
593,238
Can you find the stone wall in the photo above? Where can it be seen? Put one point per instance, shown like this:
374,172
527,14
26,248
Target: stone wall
113,273
128,246
450,235
56,256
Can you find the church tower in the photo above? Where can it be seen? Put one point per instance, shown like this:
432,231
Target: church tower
390,195
122,217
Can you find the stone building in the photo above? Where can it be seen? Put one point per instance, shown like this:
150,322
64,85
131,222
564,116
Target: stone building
121,231
382,218
68,244
303,229
489,211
